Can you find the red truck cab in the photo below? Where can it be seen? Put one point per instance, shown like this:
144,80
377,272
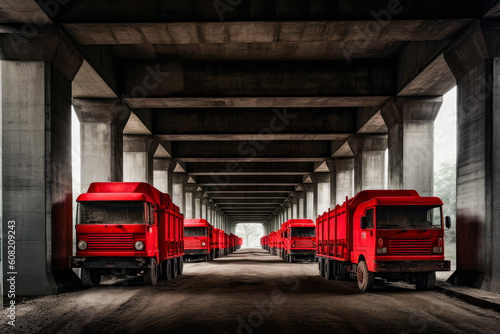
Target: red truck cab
299,240
198,240
127,228
391,234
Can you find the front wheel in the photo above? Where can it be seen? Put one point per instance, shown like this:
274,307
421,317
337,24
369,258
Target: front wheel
90,277
151,274
366,279
425,281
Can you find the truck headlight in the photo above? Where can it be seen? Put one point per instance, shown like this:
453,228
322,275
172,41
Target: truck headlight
139,245
203,244
82,245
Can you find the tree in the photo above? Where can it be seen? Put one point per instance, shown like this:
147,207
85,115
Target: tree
250,233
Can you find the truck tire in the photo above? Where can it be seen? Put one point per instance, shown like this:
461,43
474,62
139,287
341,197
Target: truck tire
290,259
181,265
366,278
425,281
151,274
168,272
328,268
321,265
175,268
90,277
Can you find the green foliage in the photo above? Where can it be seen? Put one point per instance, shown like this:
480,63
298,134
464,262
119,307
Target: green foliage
445,188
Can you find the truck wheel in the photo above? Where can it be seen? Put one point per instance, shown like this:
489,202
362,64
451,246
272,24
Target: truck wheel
320,267
425,281
181,265
90,277
151,274
366,279
168,272
175,268
328,268
205,258
290,259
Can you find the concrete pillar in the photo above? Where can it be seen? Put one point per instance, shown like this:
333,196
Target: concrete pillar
101,139
197,204
210,209
295,207
410,121
189,200
178,183
341,180
138,151
322,184
36,182
162,174
204,208
301,209
288,210
475,62
310,200
369,161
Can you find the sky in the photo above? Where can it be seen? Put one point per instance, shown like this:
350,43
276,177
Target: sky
445,130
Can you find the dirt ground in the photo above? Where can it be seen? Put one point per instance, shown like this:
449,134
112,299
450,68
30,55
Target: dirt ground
250,292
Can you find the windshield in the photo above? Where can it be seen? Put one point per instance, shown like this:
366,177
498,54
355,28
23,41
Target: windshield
195,231
111,213
408,217
303,232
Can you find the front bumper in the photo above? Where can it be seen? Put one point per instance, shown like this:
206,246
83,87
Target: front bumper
410,266
110,262
302,252
188,252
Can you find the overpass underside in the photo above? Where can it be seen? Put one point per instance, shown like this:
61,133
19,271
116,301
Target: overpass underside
244,111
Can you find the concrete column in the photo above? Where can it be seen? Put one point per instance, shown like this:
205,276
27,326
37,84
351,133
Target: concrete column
410,121
288,210
301,209
341,180
295,207
369,161
162,174
189,200
310,200
197,204
36,182
210,209
138,151
178,183
204,208
475,62
322,183
101,139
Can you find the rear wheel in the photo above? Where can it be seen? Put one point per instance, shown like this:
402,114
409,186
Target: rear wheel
366,279
328,269
151,274
175,268
321,264
425,281
168,271
181,265
90,277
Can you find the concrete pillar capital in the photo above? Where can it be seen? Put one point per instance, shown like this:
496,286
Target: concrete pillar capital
410,108
113,111
140,143
363,142
335,165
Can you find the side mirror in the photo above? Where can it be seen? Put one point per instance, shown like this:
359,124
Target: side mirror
447,222
364,222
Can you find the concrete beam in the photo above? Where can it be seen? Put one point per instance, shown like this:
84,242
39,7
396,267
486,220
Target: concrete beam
290,101
261,79
254,123
22,11
252,151
248,179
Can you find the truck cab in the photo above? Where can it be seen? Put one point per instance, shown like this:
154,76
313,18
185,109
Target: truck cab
198,242
299,240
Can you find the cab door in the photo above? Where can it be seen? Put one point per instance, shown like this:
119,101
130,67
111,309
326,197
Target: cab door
367,237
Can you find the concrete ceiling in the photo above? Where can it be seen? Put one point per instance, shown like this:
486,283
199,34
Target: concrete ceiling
251,98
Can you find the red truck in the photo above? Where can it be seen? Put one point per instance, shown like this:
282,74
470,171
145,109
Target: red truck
127,228
395,235
239,242
298,240
216,241
273,243
198,240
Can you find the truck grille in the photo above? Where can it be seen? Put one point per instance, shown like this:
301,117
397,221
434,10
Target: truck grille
303,243
410,246
190,244
107,242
